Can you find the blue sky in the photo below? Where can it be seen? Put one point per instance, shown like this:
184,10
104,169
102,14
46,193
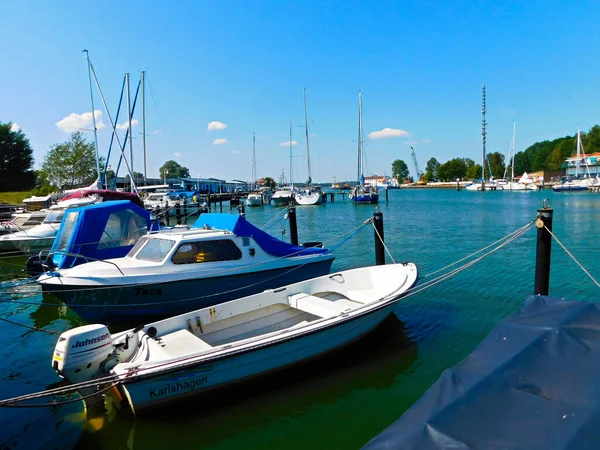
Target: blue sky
420,66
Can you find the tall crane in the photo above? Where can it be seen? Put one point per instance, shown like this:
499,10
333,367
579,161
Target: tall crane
414,160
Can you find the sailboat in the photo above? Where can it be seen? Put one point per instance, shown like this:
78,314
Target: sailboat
578,184
361,193
309,195
525,181
255,197
284,195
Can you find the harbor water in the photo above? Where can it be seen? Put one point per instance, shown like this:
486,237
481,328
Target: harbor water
345,398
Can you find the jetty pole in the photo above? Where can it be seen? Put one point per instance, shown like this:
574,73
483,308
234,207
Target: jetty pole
178,212
293,225
379,238
543,249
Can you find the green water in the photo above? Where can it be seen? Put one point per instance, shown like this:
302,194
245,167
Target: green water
345,398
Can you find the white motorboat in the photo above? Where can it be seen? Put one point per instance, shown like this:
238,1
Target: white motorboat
212,347
255,198
23,221
284,195
41,237
221,257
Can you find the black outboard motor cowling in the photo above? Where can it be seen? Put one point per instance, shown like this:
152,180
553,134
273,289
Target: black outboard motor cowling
38,264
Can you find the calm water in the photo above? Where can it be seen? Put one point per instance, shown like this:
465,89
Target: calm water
345,398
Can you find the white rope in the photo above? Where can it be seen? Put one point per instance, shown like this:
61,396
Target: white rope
519,230
572,257
382,242
435,281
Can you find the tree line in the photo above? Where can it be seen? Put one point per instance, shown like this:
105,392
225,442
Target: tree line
545,155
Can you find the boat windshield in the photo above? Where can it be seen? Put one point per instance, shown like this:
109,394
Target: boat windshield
66,230
55,216
136,248
155,250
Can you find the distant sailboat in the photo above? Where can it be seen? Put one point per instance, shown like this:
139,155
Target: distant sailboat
578,184
525,181
361,193
255,197
310,195
284,195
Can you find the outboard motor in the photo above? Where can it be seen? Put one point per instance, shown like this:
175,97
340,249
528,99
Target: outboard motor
84,353
38,264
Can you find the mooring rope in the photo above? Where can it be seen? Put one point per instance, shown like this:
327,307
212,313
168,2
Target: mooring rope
28,326
573,257
382,242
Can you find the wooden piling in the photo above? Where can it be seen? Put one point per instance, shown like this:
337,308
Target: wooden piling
379,238
293,225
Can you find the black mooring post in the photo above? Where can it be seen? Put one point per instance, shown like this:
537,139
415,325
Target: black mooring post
543,249
293,225
167,215
178,212
220,203
379,238
185,208
242,208
386,195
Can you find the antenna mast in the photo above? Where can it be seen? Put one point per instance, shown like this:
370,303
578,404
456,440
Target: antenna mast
360,139
483,133
89,64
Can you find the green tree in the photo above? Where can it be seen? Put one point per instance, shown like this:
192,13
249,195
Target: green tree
174,170
496,161
473,172
269,182
16,160
71,164
400,170
431,169
451,170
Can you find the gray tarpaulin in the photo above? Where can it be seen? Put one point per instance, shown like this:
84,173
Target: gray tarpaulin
533,383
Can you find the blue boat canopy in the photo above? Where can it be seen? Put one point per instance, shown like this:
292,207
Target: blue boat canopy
100,231
239,226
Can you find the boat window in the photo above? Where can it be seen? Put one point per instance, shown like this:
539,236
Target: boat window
122,228
155,250
66,230
207,251
55,216
139,244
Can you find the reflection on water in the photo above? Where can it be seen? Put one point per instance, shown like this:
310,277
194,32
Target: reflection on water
371,363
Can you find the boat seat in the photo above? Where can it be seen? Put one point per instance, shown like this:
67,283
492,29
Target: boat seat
178,343
316,306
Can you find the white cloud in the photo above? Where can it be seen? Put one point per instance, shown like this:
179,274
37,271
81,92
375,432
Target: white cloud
411,142
177,155
15,127
156,131
220,141
235,152
425,141
125,125
287,143
75,122
216,125
388,133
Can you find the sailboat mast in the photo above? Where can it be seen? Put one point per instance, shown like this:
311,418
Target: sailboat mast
578,152
291,178
89,64
360,140
483,133
129,128
254,160
144,121
307,146
513,151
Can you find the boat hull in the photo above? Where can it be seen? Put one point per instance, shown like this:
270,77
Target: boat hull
134,304
151,391
366,199
569,188
283,200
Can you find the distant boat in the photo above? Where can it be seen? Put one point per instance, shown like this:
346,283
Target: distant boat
577,183
284,194
309,195
362,193
524,182
221,257
189,354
